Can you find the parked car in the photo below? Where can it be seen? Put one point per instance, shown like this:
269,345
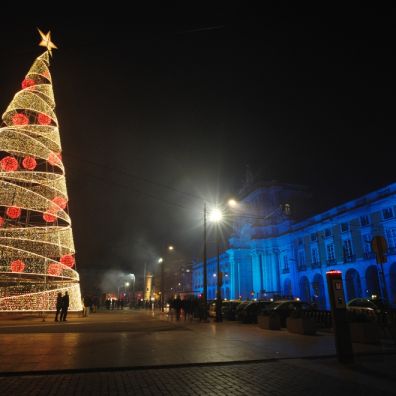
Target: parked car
250,311
239,309
284,308
362,305
364,309
228,309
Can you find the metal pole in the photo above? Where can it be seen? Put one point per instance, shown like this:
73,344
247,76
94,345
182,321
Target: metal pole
133,291
205,283
162,286
218,291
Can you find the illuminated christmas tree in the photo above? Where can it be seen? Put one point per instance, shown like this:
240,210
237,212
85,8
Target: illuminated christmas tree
36,242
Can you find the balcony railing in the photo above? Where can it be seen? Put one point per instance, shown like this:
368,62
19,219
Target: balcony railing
350,259
285,270
331,262
301,267
316,264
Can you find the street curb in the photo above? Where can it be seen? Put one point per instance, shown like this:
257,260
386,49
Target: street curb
178,365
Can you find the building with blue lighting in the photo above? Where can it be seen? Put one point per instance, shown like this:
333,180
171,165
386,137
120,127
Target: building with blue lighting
271,252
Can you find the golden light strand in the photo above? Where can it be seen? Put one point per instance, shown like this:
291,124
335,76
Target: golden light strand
36,241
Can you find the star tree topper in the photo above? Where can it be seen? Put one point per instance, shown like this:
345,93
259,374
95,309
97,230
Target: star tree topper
46,41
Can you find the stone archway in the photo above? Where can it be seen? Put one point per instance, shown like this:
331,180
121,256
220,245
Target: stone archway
319,296
392,284
353,285
287,288
305,291
372,283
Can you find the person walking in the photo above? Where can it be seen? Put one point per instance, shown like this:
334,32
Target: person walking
58,306
65,307
178,306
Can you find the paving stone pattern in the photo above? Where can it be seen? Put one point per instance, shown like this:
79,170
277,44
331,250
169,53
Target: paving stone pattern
268,378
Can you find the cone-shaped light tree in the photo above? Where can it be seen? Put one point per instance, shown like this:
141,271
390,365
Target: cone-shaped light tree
36,242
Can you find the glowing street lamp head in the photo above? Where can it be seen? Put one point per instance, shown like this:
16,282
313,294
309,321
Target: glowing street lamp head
171,248
126,284
215,215
160,260
232,203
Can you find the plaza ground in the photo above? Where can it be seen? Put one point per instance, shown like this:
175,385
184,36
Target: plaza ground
143,352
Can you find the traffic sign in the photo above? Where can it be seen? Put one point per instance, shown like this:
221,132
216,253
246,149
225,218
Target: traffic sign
380,247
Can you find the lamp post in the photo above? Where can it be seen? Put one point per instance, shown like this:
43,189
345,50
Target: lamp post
126,288
216,217
161,261
133,287
205,280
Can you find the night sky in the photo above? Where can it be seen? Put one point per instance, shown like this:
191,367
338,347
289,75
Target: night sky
160,109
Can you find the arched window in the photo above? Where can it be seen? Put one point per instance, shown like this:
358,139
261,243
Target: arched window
353,286
305,292
287,288
392,279
372,283
319,297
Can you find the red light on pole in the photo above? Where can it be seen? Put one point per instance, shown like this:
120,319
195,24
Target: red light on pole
333,272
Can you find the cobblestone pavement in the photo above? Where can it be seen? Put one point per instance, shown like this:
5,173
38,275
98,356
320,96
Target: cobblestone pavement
281,377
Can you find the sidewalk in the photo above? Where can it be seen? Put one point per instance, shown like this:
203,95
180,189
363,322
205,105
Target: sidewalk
281,377
144,353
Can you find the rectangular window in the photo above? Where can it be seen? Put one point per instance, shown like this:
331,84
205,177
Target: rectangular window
366,242
314,237
300,241
364,220
315,255
344,227
285,262
327,232
301,258
330,251
391,237
347,248
387,213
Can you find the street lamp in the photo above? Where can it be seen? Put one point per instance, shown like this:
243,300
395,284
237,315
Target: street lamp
132,276
161,261
205,280
216,217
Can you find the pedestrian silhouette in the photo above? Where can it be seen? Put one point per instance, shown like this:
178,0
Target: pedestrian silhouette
58,305
65,307
178,305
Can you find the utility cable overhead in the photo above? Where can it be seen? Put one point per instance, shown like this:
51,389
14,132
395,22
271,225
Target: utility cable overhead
141,178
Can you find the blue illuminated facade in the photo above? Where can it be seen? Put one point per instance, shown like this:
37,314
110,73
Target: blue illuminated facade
270,253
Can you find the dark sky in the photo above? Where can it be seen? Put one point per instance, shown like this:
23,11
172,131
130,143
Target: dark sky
156,102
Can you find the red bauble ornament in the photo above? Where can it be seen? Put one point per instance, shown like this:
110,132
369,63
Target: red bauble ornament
54,269
43,119
49,217
9,164
1,221
68,260
28,83
20,119
29,163
60,201
17,266
55,159
13,212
